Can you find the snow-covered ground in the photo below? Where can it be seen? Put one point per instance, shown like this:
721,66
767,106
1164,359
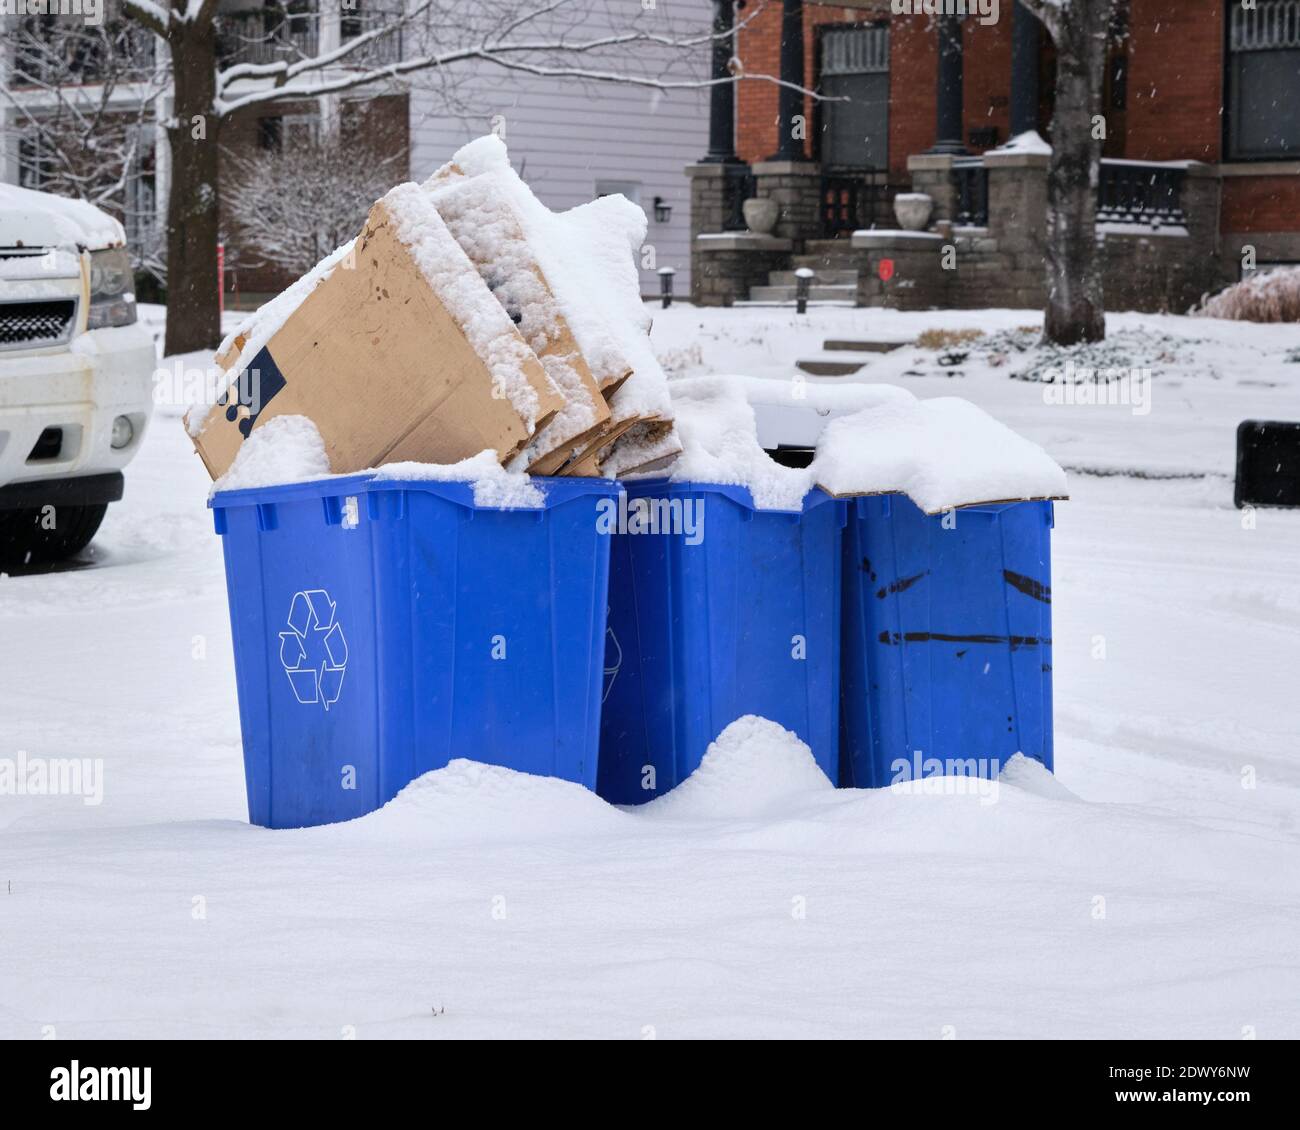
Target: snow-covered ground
1151,889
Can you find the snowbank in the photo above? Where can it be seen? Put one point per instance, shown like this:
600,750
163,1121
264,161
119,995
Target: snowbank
754,767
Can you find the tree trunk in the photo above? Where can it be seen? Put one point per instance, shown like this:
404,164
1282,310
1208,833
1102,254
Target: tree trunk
1075,310
193,204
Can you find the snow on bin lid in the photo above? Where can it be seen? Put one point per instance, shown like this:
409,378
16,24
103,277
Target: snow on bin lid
941,453
719,437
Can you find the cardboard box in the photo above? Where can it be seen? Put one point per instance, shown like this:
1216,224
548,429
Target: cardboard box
486,226
376,360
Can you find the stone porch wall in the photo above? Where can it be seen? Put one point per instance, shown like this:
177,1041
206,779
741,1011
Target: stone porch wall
1004,264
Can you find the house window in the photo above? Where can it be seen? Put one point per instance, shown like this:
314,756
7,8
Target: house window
1263,77
855,68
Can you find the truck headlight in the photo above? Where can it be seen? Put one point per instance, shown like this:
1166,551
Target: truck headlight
112,289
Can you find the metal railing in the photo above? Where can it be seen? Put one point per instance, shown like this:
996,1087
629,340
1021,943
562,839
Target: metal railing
972,178
1131,192
272,35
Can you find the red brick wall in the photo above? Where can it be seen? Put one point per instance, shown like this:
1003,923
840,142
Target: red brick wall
1261,204
1175,83
1175,91
986,75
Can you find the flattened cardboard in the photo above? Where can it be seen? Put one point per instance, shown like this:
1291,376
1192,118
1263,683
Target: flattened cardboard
547,332
380,366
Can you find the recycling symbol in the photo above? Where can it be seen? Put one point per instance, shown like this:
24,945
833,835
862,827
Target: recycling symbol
313,652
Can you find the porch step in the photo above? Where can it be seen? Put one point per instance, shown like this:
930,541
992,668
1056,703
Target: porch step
837,346
816,367
844,293
828,277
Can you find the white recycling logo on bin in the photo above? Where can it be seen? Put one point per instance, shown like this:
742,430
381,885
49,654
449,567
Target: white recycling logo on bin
313,652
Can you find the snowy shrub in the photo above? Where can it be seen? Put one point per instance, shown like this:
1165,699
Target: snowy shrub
1270,296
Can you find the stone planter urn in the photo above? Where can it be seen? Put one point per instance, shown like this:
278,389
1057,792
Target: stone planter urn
913,210
761,214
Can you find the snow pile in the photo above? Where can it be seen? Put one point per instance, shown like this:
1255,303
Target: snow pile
754,767
941,453
1270,296
285,449
452,277
493,485
475,802
719,437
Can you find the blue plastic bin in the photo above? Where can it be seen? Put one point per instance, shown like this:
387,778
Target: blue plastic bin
383,627
947,662
744,621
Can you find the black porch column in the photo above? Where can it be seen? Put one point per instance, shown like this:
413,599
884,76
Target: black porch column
790,103
722,95
948,118
1024,70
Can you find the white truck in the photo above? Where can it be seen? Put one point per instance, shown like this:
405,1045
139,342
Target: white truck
76,373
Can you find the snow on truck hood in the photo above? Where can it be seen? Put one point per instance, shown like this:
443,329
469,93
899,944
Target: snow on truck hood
39,219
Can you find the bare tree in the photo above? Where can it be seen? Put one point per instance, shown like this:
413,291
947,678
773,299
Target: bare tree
82,101
1079,28
293,206
534,37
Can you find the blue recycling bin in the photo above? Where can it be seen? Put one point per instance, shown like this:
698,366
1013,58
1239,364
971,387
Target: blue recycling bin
383,627
717,609
947,665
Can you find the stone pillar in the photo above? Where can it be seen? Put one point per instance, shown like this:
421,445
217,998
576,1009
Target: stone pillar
932,174
790,100
708,211
796,186
1017,236
948,132
724,265
722,96
1024,70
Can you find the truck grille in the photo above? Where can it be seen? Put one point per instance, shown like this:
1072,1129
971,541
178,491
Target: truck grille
30,325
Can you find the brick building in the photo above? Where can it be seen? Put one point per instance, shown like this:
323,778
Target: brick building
1201,158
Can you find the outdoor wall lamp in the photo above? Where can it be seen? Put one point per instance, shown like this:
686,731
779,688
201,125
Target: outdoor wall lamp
663,210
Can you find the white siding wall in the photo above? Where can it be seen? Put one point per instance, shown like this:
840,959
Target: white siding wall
565,135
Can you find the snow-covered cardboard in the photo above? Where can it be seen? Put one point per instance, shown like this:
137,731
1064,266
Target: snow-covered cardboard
394,348
485,225
588,257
